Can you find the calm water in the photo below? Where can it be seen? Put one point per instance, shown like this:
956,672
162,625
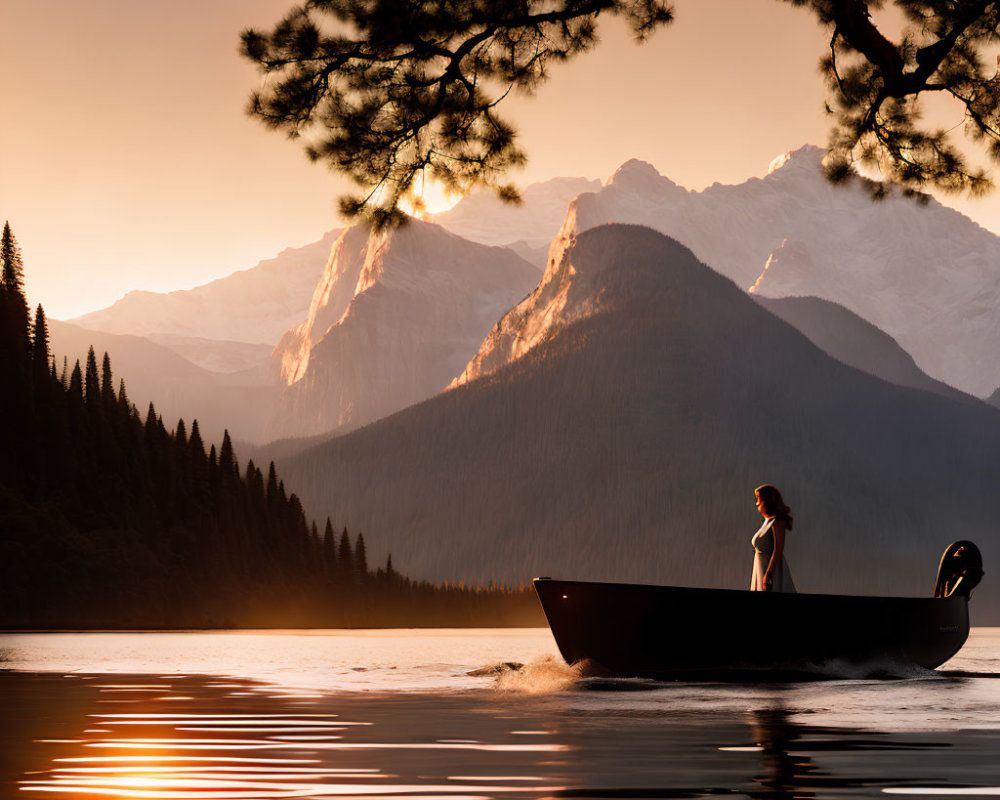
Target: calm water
395,714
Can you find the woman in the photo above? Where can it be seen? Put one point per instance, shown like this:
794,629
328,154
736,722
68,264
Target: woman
770,570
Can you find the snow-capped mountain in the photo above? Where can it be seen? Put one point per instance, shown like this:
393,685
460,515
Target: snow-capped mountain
923,273
625,444
393,319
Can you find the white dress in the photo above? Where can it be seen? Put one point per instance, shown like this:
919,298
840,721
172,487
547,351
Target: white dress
763,545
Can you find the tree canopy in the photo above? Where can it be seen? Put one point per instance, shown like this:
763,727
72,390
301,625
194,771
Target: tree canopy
386,91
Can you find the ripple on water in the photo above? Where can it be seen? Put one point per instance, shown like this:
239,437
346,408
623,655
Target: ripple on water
540,730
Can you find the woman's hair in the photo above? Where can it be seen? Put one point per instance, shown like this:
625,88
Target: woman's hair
774,505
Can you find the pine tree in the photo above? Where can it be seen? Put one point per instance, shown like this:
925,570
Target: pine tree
412,88
361,558
123,400
107,381
330,549
43,384
14,314
227,458
180,435
40,339
272,484
76,383
195,443
12,277
197,470
92,381
345,559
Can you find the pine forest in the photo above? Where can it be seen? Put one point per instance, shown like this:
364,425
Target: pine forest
111,519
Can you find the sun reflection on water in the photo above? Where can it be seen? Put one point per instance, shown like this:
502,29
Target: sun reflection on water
205,755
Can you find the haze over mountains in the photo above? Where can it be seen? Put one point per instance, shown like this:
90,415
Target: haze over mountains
611,419
241,401
923,274
246,329
252,306
625,442
856,342
610,416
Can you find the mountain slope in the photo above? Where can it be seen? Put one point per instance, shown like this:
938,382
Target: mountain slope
859,344
626,443
255,305
240,401
393,319
923,273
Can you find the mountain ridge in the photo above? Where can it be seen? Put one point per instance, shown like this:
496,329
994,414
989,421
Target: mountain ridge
626,445
921,272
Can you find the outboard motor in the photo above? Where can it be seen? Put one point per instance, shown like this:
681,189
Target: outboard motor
960,571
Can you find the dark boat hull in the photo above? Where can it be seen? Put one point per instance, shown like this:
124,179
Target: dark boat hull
667,632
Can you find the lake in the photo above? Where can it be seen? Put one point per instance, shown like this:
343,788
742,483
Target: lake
396,714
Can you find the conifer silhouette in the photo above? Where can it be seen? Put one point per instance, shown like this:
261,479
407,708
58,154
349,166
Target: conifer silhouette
110,520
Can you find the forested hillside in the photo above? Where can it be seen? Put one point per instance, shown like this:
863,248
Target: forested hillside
625,444
110,519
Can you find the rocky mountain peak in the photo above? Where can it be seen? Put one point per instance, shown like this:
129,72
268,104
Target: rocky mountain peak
394,318
641,177
808,158
921,272
597,270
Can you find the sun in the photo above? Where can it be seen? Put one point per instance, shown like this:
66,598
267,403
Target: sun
435,198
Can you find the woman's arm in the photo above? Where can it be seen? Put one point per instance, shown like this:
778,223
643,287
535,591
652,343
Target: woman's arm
778,529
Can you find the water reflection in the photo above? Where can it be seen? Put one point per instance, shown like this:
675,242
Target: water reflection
785,773
242,739
262,747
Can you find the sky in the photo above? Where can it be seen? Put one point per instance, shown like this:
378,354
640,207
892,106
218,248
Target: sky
127,160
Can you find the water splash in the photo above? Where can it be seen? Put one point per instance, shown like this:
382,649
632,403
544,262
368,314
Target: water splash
544,675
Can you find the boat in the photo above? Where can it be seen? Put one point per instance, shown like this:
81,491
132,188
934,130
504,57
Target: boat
680,633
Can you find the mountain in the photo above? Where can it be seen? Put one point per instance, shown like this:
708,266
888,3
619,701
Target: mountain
259,305
205,353
923,273
393,319
859,344
254,306
217,355
626,442
527,227
240,401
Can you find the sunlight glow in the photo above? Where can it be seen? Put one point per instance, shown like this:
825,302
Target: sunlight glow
200,717
226,759
250,769
433,195
243,722
170,787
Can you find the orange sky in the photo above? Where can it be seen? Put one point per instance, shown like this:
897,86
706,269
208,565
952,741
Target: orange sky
126,160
